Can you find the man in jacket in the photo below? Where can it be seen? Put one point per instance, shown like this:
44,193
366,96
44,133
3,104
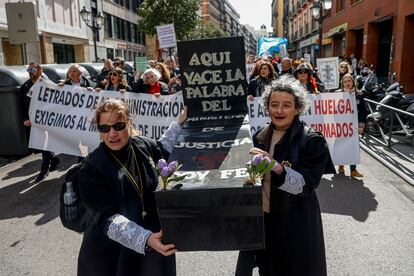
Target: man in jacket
49,160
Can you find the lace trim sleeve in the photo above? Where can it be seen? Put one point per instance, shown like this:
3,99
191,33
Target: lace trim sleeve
170,136
294,182
128,233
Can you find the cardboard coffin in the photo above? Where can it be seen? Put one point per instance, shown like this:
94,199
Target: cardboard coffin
212,210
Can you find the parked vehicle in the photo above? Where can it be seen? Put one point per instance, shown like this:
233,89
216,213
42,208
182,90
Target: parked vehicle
383,116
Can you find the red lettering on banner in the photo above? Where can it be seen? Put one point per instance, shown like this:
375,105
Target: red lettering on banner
334,130
332,107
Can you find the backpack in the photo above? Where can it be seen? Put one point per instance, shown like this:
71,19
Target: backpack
75,216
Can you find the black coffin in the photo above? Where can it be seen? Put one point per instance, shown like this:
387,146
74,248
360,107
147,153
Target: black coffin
212,219
212,210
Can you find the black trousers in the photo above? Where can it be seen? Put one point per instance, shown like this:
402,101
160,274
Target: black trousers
249,259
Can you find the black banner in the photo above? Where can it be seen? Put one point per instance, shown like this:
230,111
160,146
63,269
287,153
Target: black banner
213,76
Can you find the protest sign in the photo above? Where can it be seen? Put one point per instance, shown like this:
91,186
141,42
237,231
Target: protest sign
213,76
62,117
332,114
166,36
328,72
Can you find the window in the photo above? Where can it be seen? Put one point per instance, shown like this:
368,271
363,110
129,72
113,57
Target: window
117,27
108,25
133,30
118,53
110,53
340,5
128,31
122,29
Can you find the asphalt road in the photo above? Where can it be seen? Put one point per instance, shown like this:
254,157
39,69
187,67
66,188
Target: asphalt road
368,225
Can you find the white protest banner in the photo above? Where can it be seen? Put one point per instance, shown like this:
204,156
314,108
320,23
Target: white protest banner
166,36
328,72
332,114
62,117
307,58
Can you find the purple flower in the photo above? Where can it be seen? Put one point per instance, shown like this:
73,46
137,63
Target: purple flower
268,160
257,158
173,166
162,164
165,172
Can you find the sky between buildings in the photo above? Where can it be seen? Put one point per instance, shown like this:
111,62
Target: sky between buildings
254,12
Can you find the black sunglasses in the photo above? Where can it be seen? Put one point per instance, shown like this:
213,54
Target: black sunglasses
117,127
302,71
31,70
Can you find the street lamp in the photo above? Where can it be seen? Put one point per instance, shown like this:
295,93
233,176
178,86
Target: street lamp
317,10
97,22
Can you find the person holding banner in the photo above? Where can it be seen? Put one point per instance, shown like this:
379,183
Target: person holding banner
49,160
294,241
348,85
165,73
74,76
116,81
116,185
149,83
265,77
305,75
102,78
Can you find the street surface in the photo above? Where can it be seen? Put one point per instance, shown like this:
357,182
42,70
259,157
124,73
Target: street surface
368,225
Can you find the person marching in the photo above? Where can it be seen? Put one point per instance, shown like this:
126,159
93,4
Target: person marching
305,75
294,241
117,184
348,85
49,160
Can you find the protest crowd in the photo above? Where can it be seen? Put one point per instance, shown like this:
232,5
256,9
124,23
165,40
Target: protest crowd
125,236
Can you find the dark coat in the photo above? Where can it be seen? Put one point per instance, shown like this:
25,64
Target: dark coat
84,82
141,87
257,86
296,236
311,89
106,191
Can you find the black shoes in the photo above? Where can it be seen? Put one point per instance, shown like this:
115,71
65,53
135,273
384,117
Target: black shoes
42,175
53,164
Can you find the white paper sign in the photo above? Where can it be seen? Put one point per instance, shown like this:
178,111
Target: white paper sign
166,36
332,114
328,72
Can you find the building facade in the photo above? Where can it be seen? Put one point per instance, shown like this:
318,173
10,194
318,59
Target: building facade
223,15
277,18
381,32
65,38
302,30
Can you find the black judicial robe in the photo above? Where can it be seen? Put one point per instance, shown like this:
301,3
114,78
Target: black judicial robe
105,192
295,241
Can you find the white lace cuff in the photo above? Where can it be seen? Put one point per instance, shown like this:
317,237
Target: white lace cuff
128,233
294,182
170,136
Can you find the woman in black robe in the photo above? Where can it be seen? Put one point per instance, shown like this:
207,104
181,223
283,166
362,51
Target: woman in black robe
116,185
293,225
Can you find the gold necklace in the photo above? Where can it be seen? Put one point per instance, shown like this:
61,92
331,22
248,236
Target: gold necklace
139,189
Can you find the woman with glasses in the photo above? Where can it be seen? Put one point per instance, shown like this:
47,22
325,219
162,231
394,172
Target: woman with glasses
305,76
117,184
149,83
116,81
266,73
348,85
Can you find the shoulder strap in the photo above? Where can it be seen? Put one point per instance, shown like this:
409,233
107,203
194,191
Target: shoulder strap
303,138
